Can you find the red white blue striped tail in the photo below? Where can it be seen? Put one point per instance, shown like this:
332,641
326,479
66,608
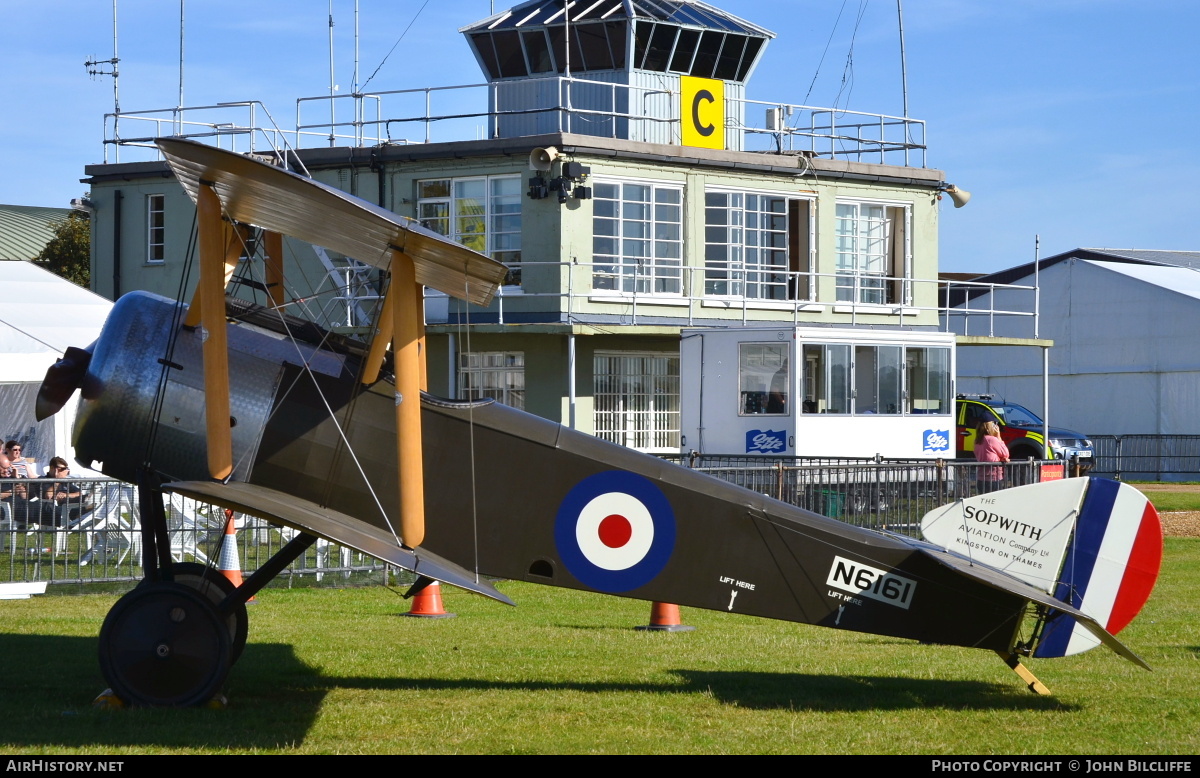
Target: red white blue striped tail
1110,567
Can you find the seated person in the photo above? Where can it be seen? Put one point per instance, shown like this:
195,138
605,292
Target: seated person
27,508
22,466
64,499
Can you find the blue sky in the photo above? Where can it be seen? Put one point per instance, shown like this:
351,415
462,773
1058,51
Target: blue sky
1073,119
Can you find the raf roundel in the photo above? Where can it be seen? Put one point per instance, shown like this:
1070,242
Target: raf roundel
615,531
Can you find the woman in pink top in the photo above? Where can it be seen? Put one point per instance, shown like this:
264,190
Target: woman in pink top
989,447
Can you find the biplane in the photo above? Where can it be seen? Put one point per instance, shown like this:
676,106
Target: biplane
248,408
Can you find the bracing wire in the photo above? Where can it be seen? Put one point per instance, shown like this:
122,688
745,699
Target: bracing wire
394,45
169,348
471,431
305,364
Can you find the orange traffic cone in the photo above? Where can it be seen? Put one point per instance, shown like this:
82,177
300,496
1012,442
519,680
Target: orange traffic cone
427,603
229,563
664,617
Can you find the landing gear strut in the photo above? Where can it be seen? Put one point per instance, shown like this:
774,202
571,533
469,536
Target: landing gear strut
172,641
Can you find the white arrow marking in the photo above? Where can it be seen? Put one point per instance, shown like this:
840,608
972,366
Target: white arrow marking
839,618
732,597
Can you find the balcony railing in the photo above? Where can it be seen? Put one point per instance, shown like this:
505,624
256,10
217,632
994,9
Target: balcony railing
552,104
650,294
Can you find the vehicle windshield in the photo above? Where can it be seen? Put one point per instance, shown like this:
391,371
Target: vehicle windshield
1017,415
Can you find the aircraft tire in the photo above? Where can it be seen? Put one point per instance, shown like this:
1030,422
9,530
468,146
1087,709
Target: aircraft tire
164,645
215,586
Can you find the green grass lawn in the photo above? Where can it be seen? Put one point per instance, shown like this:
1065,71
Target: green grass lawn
339,671
1174,501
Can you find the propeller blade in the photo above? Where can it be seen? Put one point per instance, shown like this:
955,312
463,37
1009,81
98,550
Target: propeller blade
61,381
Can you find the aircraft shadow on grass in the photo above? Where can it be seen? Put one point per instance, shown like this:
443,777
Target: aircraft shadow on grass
283,697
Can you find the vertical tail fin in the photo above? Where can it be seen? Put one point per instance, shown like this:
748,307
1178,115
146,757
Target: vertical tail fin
1094,544
1110,567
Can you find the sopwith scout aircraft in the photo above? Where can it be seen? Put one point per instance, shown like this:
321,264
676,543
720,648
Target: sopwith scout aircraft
245,407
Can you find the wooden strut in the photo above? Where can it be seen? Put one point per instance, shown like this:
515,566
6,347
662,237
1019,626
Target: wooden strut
407,317
210,294
1031,681
402,322
234,238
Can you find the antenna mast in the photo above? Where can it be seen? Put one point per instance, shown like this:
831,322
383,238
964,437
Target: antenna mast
94,68
179,110
903,66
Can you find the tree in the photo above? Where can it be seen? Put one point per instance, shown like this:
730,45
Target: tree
68,254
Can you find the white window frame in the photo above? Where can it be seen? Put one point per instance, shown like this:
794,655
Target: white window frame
500,237
872,265
633,407
744,276
156,233
499,375
616,267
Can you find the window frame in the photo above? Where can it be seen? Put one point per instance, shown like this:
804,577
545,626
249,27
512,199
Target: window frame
747,280
666,275
503,245
774,398
660,391
156,250
505,390
923,377
892,284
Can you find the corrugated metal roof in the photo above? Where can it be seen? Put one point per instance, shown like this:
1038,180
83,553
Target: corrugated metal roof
686,13
25,230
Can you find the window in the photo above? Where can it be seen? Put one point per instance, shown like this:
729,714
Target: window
928,374
755,246
481,213
826,378
156,231
763,379
871,252
877,380
499,375
637,237
866,379
636,400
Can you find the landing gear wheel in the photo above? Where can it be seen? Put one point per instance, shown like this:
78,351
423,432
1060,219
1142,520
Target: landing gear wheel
164,645
215,587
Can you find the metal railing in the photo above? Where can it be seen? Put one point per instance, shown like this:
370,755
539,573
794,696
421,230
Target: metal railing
648,292
551,104
890,495
94,536
1147,457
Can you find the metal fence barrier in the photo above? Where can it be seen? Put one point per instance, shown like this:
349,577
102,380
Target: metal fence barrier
880,494
92,534
1147,457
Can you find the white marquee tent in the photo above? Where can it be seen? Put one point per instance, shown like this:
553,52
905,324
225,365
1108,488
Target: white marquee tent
40,315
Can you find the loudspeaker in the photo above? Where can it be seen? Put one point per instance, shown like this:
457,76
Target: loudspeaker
958,196
542,158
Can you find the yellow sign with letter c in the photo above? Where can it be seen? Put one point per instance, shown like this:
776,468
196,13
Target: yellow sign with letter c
702,112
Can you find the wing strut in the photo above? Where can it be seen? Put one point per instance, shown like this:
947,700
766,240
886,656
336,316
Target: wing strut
210,292
273,246
408,313
233,250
